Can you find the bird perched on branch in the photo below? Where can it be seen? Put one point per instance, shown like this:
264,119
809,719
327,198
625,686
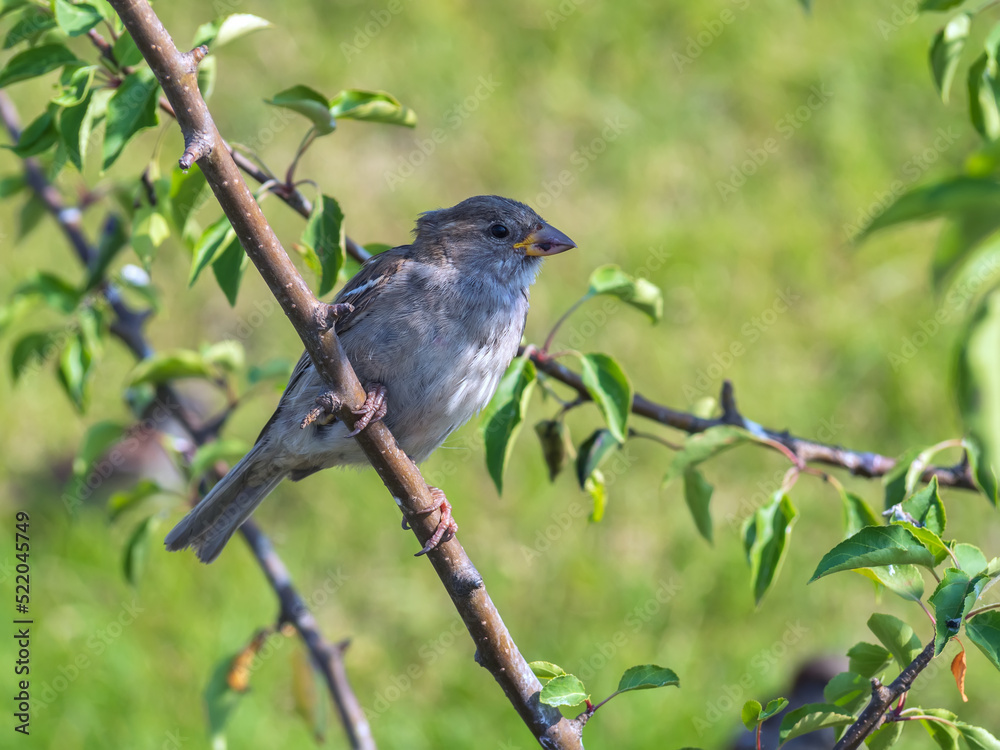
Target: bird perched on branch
429,328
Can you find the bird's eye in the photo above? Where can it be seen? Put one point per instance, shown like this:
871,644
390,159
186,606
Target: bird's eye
499,231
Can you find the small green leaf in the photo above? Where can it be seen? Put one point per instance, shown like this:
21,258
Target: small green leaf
885,736
857,514
970,558
228,355
40,135
765,542
952,600
546,670
220,701
228,450
750,714
564,690
946,49
309,103
222,31
931,541
598,491
904,580
228,269
944,734
76,81
773,708
324,235
983,473
31,25
188,190
938,5
75,19
123,501
639,293
126,53
874,545
611,390
167,366
53,290
113,239
984,631
977,385
373,106
698,496
868,659
849,690
647,676
503,416
936,200
982,85
149,231
896,636
811,717
552,435
703,446
132,108
894,481
926,507
75,368
977,738
137,550
592,453
214,240
35,62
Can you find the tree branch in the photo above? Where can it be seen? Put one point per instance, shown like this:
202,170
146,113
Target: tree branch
128,327
862,464
496,650
882,698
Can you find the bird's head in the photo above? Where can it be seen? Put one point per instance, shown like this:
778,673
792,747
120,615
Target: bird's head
490,234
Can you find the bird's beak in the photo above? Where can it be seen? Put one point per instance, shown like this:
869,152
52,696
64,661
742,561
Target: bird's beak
546,241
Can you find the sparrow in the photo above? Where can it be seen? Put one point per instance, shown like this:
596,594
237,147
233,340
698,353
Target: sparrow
429,328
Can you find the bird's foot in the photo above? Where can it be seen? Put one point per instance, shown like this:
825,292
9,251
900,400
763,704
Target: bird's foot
328,315
446,527
372,410
327,406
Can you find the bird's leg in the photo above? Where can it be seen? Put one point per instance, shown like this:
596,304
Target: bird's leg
328,315
446,527
372,410
325,411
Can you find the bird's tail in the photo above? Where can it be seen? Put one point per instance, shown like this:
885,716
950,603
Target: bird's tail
215,519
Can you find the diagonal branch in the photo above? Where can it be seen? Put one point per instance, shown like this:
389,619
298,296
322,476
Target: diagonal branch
127,326
496,649
862,464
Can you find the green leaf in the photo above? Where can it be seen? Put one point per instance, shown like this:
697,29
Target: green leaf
647,676
640,293
76,124
936,200
188,190
373,106
698,496
214,240
750,714
944,734
546,670
894,481
137,550
75,19
35,62
229,450
611,390
773,708
552,435
931,541
564,690
149,231
309,103
39,136
113,239
228,269
938,5
874,545
598,491
54,291
970,558
132,108
849,690
227,354
952,600
222,31
33,22
977,738
220,701
503,416
8,6
703,446
812,717
896,636
166,366
926,507
274,368
126,53
982,85
983,474
592,453
857,514
75,368
904,580
121,502
984,631
885,736
324,235
977,383
946,49
765,542
964,232
868,659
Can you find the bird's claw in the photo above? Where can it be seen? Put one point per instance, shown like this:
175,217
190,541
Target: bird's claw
446,526
327,405
372,410
328,315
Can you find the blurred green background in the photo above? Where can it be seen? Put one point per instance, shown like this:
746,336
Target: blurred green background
629,127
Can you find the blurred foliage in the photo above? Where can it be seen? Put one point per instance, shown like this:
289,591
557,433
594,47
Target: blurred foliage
729,153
